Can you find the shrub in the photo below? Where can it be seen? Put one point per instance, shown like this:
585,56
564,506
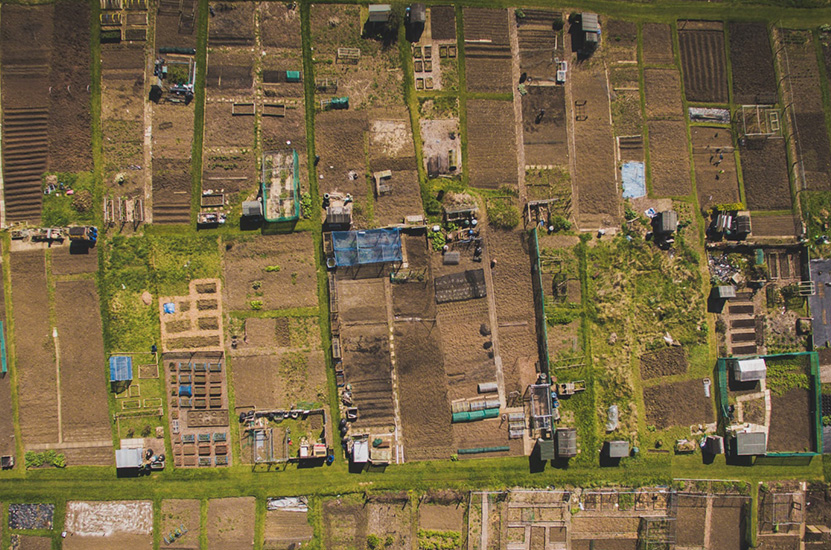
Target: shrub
503,214
559,223
306,205
256,305
373,542
146,430
272,268
432,207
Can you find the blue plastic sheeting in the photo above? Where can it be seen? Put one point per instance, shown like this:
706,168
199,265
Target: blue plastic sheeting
121,368
634,185
366,247
185,391
169,307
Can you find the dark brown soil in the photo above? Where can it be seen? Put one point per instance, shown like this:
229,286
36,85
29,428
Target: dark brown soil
206,288
26,542
663,93
344,524
69,260
690,521
488,65
443,22
279,25
171,191
83,385
704,64
231,24
193,342
765,174
492,143
70,118
203,305
657,44
225,129
818,504
208,323
546,141
791,422
677,404
728,523
669,158
715,170
754,81
666,362
341,151
35,349
771,542
177,326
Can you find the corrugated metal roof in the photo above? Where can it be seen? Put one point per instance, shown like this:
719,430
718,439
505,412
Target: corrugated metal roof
618,449
590,22
751,443
128,458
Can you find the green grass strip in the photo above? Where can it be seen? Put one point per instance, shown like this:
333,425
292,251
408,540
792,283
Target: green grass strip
199,110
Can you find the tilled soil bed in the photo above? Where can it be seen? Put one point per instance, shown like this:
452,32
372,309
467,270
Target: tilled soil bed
665,362
662,404
791,422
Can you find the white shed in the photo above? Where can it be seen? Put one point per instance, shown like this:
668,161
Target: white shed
749,370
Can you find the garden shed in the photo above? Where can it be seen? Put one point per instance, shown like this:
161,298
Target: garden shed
128,459
750,443
567,442
616,449
749,370
546,448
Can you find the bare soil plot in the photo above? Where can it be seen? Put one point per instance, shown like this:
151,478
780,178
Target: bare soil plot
84,411
466,362
773,226
657,44
765,174
812,143
231,523
545,137
37,378
443,22
291,260
791,422
537,39
292,127
514,307
754,81
262,333
230,73
231,169
487,64
728,522
492,148
70,116
662,401
773,542
279,25
422,387
340,145
231,24
665,362
691,515
620,40
669,158
173,130
181,513
344,524
441,517
27,36
284,529
598,196
224,129
663,93
716,179
176,25
366,360
704,64
171,190
27,542
391,148
279,380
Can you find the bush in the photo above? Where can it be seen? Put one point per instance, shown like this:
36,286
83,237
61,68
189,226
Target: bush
826,420
438,240
503,214
559,223
256,305
432,207
306,205
146,430
373,542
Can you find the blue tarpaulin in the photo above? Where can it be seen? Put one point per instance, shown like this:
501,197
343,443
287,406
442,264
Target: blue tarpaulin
121,368
185,391
634,185
367,247
169,307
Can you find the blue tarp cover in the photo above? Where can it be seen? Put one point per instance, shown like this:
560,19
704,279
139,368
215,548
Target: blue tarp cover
634,185
121,368
366,247
169,307
185,391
